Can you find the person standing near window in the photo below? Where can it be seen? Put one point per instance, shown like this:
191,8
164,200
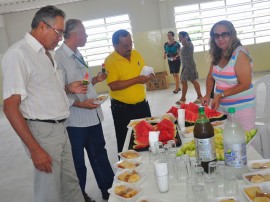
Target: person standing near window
171,52
189,71
84,123
127,89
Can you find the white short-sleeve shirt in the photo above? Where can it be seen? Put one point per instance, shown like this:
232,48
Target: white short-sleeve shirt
28,71
74,70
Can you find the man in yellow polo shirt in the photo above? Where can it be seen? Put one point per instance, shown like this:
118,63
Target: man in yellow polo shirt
127,89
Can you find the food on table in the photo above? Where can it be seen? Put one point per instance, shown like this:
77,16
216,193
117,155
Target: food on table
260,165
251,191
141,132
258,178
189,147
129,176
130,154
228,200
261,199
259,194
125,191
191,113
127,165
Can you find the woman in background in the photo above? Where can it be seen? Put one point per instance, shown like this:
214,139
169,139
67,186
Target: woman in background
231,69
171,49
189,71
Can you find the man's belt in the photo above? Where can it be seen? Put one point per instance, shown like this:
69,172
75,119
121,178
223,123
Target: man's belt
122,104
48,121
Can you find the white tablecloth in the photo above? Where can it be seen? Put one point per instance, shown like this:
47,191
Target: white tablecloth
177,191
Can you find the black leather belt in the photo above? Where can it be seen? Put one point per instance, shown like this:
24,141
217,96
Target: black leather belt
122,104
48,121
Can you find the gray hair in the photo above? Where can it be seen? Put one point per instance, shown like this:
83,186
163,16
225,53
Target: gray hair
71,25
46,14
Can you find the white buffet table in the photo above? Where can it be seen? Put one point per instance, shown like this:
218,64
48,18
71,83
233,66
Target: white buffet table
177,191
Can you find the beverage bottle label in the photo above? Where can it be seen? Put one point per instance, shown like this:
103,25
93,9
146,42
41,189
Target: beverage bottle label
205,150
235,155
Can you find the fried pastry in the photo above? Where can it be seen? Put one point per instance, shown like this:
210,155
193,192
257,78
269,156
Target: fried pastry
129,155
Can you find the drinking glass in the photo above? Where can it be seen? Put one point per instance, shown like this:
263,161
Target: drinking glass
153,154
171,166
167,146
172,143
158,145
199,173
212,167
220,173
162,154
189,183
180,170
193,164
162,183
210,184
186,159
199,193
230,185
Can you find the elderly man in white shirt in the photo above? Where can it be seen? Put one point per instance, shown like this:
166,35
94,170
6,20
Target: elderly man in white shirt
36,105
84,124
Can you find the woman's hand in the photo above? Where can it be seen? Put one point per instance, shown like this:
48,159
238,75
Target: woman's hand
216,101
205,100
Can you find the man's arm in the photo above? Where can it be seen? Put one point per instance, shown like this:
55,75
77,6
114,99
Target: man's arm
120,85
76,87
40,157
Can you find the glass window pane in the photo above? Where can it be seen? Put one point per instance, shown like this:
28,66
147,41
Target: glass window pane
99,41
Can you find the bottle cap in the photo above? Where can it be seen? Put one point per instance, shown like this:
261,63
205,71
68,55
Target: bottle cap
231,110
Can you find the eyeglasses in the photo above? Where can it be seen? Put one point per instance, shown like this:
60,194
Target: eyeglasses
59,34
222,35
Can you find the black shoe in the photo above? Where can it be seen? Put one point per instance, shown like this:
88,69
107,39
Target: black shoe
176,91
105,195
88,198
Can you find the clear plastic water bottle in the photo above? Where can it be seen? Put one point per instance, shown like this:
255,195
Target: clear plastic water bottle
234,146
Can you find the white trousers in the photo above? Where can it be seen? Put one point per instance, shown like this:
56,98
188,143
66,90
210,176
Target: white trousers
62,185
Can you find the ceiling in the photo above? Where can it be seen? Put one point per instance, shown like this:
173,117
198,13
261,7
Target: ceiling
11,6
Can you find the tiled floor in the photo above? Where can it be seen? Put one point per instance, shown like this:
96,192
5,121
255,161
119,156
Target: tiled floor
16,170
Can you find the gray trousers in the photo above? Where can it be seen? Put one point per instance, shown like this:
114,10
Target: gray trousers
62,185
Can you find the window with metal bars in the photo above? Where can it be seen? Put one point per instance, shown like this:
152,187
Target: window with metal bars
251,19
99,41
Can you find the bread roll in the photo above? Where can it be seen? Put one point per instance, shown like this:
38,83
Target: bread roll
134,178
129,155
120,190
124,176
266,165
257,179
251,191
256,165
228,200
126,164
130,193
261,199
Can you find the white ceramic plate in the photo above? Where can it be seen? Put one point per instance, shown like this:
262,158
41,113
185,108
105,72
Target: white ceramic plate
259,163
262,173
220,199
100,99
140,181
134,198
137,164
263,187
138,158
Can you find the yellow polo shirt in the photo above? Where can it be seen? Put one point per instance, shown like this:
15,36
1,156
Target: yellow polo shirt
119,68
